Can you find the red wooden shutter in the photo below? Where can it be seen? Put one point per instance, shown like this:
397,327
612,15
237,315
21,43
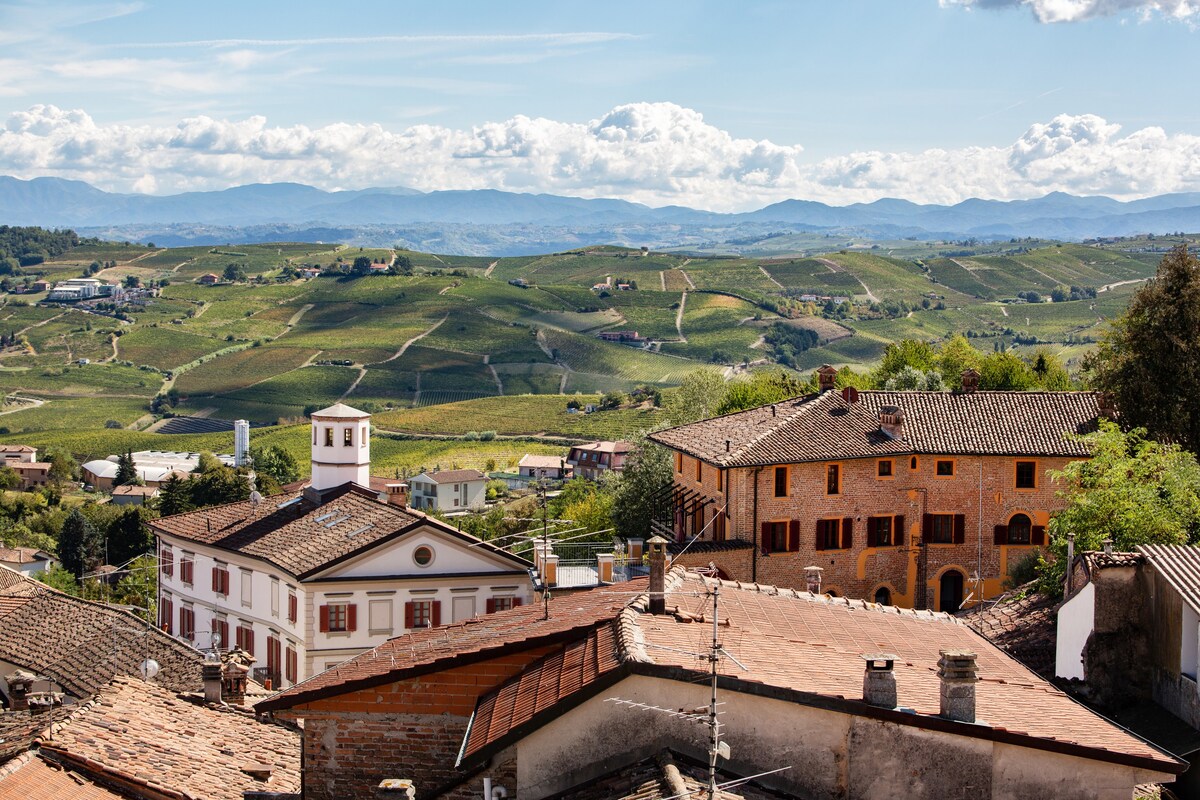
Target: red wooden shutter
927,528
1001,535
847,533
352,617
164,616
491,605
324,622
291,665
516,602
820,545
291,608
960,528
765,536
1038,535
409,615
898,530
216,575
435,617
225,581
794,535
872,532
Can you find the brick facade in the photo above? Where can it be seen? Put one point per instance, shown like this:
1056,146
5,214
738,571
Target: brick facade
411,728
982,492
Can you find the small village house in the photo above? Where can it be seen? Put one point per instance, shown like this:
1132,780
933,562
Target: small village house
595,458
22,459
26,560
552,468
448,490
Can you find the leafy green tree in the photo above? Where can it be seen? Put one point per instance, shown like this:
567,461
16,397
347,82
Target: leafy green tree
1132,490
80,547
234,273
362,265
765,386
128,534
697,397
1005,372
647,474
126,470
910,379
174,497
956,356
275,461
1049,372
59,578
1149,359
212,483
139,587
9,479
905,353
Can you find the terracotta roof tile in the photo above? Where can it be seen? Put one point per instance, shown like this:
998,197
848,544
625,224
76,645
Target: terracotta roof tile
297,535
456,475
150,735
30,777
1022,623
82,644
825,427
19,555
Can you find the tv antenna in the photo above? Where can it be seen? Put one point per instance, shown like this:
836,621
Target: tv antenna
708,716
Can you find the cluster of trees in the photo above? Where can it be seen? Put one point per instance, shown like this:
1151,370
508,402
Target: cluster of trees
785,342
911,364
32,245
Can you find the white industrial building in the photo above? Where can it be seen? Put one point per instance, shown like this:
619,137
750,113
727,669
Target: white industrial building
153,467
309,578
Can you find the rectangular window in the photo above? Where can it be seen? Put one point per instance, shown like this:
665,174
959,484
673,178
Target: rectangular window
944,529
781,537
679,463
168,562
833,479
879,532
418,614
274,597
187,623
781,481
187,568
273,665
720,480
1026,474
220,579
829,534
336,618
247,587
362,440
885,467
719,527
379,616
699,470
292,607
329,437
943,468
245,638
502,604
348,437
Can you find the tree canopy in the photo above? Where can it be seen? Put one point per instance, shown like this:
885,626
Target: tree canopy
1149,359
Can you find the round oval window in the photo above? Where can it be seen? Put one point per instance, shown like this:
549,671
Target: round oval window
423,556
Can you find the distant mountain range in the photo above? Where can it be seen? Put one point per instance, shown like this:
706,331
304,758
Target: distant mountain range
489,221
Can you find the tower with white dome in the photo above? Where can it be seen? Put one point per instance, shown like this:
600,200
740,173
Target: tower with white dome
341,447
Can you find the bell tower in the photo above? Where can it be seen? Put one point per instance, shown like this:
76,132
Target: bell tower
341,447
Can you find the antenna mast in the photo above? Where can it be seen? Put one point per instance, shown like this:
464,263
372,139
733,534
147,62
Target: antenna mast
714,726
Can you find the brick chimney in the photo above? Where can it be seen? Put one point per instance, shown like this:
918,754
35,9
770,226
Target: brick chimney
826,378
658,575
812,578
956,670
19,684
891,422
233,682
397,494
970,381
879,680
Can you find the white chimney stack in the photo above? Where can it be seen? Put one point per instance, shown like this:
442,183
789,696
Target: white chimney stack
241,443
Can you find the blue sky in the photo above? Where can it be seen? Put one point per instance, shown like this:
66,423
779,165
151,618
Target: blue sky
712,104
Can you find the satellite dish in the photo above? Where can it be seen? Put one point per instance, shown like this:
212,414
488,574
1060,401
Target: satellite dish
148,668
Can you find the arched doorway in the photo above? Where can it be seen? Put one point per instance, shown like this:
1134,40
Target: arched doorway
951,595
883,596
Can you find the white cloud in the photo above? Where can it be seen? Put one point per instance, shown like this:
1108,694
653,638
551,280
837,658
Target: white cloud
656,153
1077,10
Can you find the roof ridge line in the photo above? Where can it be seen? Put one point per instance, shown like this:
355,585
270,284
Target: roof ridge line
797,409
847,602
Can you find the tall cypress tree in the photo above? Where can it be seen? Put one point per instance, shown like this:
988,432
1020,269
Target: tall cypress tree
80,546
126,470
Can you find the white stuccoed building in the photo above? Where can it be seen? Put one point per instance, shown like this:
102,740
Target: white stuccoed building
309,578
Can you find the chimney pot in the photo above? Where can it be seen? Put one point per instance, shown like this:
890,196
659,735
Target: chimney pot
891,422
1108,543
210,674
956,671
879,680
970,381
658,575
812,577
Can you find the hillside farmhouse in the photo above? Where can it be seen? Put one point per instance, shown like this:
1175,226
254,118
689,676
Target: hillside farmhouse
448,490
827,698
595,458
915,499
22,459
309,578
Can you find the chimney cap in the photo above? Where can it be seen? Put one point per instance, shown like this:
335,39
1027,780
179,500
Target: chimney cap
887,659
656,539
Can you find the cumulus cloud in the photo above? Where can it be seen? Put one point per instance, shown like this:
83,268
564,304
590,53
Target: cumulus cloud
656,153
1077,10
